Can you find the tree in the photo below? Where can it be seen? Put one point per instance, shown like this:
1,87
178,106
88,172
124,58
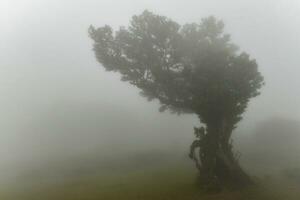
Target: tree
193,68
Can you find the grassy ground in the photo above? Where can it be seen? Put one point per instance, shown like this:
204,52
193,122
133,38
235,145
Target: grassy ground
168,182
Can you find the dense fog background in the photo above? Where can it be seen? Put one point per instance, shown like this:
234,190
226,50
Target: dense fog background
57,103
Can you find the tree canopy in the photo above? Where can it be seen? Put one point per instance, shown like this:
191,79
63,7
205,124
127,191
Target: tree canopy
190,68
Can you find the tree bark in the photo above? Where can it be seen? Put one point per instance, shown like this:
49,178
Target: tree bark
216,162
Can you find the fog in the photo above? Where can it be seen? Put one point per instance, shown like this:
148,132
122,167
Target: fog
58,103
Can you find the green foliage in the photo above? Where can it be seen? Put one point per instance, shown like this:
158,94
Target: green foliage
191,68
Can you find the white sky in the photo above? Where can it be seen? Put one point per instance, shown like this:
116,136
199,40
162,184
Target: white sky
48,73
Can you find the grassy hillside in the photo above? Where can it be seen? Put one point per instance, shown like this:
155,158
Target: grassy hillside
172,181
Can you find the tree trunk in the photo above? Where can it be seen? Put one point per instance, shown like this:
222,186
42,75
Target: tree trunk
228,169
216,162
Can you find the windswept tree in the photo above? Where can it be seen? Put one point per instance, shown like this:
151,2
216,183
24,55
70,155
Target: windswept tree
193,68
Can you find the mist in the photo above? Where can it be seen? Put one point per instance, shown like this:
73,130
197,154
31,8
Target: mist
58,104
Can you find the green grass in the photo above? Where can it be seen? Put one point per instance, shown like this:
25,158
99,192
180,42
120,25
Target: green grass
174,182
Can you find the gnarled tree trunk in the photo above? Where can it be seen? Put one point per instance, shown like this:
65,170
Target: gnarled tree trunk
215,160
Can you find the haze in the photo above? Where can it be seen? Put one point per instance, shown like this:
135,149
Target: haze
58,103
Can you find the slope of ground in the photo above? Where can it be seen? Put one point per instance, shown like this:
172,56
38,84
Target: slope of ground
171,181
